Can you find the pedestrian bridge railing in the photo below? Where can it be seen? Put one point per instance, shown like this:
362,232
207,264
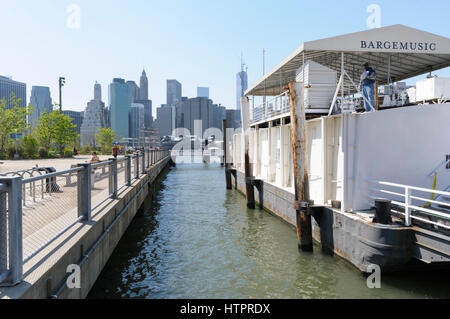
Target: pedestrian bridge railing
38,207
416,205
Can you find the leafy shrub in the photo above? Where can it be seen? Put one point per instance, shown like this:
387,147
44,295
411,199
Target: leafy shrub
68,153
43,153
11,150
30,146
86,150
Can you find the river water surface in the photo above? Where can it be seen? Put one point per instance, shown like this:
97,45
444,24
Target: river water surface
198,240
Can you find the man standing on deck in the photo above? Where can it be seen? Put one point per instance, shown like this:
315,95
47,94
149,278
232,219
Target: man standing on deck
368,79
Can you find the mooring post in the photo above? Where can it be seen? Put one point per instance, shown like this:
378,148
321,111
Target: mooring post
301,181
225,156
250,191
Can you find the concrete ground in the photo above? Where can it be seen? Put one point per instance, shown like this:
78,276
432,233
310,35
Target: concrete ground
59,164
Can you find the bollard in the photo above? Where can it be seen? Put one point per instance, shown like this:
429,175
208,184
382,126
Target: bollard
84,191
225,156
128,170
382,212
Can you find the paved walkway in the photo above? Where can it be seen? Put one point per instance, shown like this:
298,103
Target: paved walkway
47,210
59,164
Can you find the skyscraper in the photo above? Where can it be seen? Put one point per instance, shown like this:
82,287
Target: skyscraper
173,92
134,91
164,120
94,119
148,109
8,86
203,92
97,91
143,91
241,86
120,105
77,119
40,101
137,121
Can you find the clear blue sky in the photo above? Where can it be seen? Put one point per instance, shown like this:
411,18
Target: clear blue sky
197,42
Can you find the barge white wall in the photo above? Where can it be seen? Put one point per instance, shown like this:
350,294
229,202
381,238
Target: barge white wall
402,145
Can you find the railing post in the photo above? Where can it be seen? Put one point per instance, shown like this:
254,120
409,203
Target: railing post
147,153
84,191
113,178
11,244
408,221
137,165
128,170
143,163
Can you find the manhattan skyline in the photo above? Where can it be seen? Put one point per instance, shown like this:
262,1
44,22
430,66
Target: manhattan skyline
201,47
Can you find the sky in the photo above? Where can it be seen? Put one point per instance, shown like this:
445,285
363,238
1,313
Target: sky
197,42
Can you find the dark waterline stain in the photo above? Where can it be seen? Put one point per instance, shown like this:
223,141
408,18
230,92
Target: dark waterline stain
200,241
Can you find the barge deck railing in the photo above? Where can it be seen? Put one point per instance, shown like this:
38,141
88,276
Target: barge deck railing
413,204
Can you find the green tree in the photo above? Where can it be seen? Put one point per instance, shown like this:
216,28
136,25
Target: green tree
44,131
105,138
12,120
63,130
55,128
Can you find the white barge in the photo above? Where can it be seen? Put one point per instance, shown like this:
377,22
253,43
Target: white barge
398,152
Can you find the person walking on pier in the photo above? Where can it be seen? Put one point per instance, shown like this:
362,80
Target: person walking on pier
115,151
368,78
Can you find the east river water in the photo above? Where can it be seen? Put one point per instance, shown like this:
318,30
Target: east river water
199,240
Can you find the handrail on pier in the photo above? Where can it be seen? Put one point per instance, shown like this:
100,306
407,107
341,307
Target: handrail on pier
48,213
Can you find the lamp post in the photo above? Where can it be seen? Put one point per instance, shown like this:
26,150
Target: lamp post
62,81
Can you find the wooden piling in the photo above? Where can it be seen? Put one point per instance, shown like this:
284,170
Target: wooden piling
249,188
225,156
301,181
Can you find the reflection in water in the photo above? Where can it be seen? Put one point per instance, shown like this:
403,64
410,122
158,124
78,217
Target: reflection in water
200,241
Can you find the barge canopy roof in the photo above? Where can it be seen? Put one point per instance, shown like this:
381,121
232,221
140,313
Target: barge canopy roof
411,52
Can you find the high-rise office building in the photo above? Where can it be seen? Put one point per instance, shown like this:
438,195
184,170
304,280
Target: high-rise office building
77,119
203,92
40,101
120,105
8,86
97,91
94,119
195,109
232,118
143,91
137,117
107,116
241,86
148,109
174,90
220,114
134,91
164,120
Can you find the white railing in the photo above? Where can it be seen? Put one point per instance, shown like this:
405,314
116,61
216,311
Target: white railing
275,107
416,203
